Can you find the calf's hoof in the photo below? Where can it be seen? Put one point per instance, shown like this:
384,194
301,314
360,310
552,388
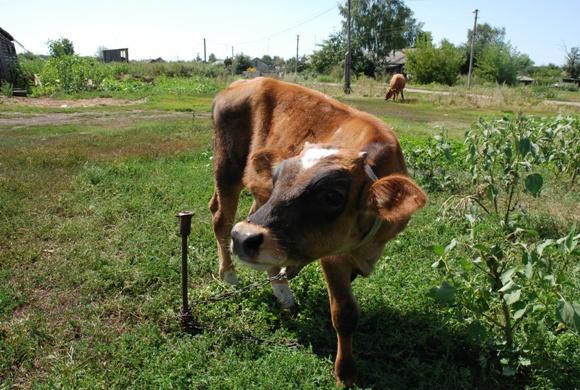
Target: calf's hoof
230,277
345,373
284,296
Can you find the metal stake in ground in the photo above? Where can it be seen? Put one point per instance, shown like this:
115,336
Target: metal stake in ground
184,230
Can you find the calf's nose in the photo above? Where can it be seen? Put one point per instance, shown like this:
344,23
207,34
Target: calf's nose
246,241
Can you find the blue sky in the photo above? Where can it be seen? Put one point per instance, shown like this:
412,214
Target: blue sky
174,29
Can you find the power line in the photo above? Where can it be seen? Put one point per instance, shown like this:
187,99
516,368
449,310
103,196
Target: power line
287,29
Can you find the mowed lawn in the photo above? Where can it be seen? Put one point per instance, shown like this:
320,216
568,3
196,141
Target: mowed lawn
90,262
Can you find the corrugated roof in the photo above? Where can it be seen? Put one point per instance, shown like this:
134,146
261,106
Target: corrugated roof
6,34
525,78
397,57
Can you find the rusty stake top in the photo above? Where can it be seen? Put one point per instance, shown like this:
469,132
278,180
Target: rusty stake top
185,222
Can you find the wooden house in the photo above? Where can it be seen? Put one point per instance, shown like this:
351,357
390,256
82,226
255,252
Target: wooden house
9,67
116,55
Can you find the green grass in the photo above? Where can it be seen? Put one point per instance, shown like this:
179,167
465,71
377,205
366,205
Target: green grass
89,272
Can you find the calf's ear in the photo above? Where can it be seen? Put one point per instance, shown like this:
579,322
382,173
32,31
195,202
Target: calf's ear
262,162
395,198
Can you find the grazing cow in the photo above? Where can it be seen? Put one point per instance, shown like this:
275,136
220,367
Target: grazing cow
396,86
329,182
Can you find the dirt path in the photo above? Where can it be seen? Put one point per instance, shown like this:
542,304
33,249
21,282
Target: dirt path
484,97
49,102
15,120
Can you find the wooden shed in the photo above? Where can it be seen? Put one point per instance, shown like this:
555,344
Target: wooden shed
116,55
8,59
525,80
396,61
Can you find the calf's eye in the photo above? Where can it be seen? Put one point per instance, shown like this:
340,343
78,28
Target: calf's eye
332,198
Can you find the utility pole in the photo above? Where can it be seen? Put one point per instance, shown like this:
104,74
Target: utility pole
233,65
204,57
296,65
471,53
348,59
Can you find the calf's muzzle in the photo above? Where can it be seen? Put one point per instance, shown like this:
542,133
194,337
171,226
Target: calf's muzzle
247,240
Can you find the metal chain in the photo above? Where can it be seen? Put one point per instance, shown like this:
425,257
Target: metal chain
228,294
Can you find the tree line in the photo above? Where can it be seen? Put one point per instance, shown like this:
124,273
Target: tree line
381,27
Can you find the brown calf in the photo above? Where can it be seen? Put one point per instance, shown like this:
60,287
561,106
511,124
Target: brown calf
329,182
396,86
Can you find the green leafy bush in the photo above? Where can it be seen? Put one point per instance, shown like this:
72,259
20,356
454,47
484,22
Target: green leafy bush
430,64
513,288
72,74
432,163
6,88
500,63
511,291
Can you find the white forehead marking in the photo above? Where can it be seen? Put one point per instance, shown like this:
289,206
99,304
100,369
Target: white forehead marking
312,156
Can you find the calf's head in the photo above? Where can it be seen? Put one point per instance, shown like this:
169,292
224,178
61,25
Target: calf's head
323,202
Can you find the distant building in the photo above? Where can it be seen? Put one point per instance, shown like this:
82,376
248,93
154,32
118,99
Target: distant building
525,80
571,80
8,58
116,55
261,66
396,61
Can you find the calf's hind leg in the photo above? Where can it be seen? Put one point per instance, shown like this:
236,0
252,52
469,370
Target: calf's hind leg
223,206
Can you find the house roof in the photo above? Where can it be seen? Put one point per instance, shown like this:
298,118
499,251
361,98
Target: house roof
397,57
6,34
525,78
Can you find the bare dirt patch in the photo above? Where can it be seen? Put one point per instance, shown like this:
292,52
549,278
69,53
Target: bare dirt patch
16,120
48,102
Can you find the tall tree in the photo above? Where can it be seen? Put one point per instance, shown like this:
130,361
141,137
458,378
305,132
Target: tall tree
572,65
332,55
487,35
501,63
428,63
379,27
61,47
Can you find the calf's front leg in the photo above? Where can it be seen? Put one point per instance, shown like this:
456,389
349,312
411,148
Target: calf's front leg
344,311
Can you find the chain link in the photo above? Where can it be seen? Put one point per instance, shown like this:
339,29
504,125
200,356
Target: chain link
241,291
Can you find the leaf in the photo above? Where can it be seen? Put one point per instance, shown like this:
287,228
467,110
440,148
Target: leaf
519,313
444,294
569,242
509,286
529,270
534,183
539,307
524,361
541,246
508,371
569,314
512,297
465,264
451,245
481,247
470,218
524,146
507,275
491,192
550,279
439,250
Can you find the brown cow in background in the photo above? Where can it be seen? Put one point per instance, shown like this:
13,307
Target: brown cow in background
396,85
